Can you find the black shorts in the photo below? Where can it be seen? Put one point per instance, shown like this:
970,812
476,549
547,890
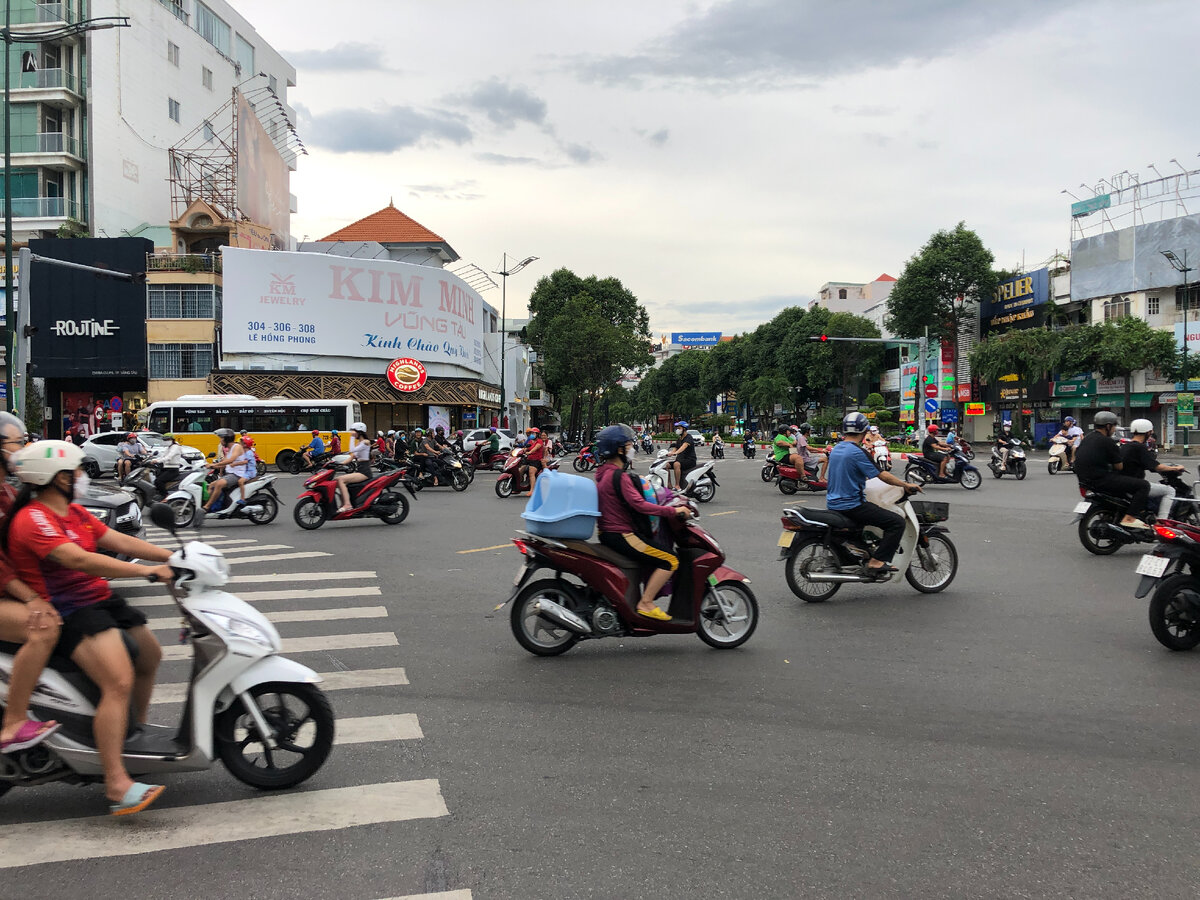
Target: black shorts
633,547
91,620
935,456
535,464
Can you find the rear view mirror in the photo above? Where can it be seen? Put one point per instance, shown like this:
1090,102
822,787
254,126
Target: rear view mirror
163,516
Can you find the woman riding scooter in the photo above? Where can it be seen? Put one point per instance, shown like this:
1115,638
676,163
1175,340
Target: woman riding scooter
361,453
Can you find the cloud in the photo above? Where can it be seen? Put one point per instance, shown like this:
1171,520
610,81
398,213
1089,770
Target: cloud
499,159
863,111
580,154
457,190
737,44
657,138
504,105
350,56
382,130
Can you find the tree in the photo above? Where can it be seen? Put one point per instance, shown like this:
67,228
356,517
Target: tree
1127,346
764,392
723,367
1027,353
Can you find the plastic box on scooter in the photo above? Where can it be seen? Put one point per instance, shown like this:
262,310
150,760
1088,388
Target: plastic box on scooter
562,506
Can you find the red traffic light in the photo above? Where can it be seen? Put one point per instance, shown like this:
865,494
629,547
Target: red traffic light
824,337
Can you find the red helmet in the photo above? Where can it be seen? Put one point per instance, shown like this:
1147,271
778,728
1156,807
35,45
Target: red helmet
932,429
315,432
535,431
248,441
131,436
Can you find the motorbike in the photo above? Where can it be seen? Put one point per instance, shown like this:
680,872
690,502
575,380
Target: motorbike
585,461
260,713
1099,515
1172,572
958,471
789,479
451,473
483,458
700,482
769,469
966,448
718,450
593,593
824,550
882,454
1016,461
295,464
512,480
1058,456
647,444
749,451
370,499
261,506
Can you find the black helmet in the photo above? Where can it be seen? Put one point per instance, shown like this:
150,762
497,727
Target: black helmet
854,423
610,440
805,428
1104,417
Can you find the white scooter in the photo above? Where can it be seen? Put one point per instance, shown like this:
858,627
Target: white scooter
700,483
882,454
1058,455
257,711
261,506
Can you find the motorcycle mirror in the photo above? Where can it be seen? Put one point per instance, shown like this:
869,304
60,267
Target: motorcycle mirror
211,456
163,516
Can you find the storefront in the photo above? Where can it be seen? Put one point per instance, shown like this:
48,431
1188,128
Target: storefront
89,339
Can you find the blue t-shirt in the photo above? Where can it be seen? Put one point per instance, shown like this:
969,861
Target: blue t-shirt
849,469
318,445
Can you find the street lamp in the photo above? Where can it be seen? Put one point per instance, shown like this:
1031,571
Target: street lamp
36,36
504,271
1180,265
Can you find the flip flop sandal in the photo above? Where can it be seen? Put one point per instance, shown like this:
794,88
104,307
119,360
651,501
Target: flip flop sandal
655,613
137,798
30,734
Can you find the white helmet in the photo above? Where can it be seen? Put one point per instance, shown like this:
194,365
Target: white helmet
1141,426
39,462
359,426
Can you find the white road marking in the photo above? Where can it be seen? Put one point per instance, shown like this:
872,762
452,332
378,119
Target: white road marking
297,615
302,577
368,729
176,692
255,548
256,596
440,895
307,554
36,843
310,644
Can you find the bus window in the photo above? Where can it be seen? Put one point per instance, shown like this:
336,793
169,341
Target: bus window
160,420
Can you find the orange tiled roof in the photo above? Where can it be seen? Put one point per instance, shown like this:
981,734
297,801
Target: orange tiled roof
388,226
884,277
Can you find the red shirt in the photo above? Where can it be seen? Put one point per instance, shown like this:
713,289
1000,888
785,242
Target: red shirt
536,450
8,494
36,531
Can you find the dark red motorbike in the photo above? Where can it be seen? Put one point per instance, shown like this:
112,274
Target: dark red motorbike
790,479
374,498
591,592
512,480
483,458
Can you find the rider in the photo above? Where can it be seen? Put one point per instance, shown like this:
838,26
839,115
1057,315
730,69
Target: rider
493,443
400,447
335,442
535,455
361,454
233,464
457,443
1004,443
127,451
251,466
619,497
1138,459
808,454
431,452
52,543
315,447
440,436
783,447
935,451
1073,435
168,464
682,454
849,469
1098,462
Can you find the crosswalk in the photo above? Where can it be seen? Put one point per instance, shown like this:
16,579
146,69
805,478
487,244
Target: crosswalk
291,599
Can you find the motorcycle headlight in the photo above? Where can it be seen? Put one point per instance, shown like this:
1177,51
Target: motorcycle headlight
129,513
240,628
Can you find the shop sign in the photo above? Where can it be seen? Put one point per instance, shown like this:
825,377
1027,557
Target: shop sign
1111,385
908,381
964,393
1016,303
1167,397
1075,388
907,415
976,409
487,395
1184,409
406,374
890,381
1013,394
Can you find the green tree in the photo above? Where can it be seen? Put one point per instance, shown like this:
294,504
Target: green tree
1120,348
723,367
1028,353
579,351
764,392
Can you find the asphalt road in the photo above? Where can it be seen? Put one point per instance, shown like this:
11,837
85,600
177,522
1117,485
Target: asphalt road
1019,735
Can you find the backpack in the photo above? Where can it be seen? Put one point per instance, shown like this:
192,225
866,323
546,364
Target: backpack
643,525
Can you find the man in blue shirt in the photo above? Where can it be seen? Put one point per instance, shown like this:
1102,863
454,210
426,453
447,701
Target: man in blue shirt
849,469
315,447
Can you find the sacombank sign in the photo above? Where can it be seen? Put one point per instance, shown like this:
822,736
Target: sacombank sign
313,303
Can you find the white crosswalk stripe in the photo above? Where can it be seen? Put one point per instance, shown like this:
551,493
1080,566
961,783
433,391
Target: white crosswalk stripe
296,615
161,599
122,584
306,554
311,644
355,679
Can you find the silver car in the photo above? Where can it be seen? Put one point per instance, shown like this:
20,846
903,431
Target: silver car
101,453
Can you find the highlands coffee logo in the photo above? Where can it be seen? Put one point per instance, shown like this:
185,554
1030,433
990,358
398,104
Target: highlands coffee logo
281,291
85,328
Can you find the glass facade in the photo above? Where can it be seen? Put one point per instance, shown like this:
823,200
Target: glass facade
212,28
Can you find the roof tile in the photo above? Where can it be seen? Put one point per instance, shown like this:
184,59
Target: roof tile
388,226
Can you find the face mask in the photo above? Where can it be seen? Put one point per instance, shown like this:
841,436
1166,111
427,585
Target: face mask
80,486
679,431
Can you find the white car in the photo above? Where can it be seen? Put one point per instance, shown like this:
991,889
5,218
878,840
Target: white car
481,436
100,450
697,437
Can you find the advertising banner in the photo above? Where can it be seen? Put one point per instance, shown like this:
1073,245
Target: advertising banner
312,303
976,409
696,338
1016,302
1185,404
890,381
948,380
1130,259
262,175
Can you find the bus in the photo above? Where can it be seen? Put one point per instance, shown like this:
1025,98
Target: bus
279,426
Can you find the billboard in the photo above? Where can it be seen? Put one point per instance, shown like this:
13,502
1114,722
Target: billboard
262,175
88,326
1118,262
1016,302
314,304
696,338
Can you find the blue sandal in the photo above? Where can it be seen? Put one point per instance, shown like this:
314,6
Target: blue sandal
137,798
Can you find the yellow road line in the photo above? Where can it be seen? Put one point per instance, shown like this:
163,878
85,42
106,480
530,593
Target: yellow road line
728,512
482,549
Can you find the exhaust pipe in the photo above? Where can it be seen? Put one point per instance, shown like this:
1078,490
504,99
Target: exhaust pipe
837,578
560,615
251,510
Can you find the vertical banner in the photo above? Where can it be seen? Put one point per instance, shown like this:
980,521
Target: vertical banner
1184,409
948,381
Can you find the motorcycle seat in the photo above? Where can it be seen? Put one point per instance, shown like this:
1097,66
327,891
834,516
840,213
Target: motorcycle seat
601,552
827,517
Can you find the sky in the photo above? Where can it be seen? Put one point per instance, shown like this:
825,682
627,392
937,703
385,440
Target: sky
725,159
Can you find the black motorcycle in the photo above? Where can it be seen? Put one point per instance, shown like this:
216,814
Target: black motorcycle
749,451
449,473
1171,571
718,450
1099,515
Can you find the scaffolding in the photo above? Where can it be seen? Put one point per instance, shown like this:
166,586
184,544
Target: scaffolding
1131,201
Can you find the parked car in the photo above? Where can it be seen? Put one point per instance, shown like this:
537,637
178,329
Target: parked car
481,435
101,453
115,507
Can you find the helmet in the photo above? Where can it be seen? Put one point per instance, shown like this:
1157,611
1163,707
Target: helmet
854,423
1141,426
1070,419
1104,417
392,432
1007,426
458,433
537,430
248,441
417,432
805,428
315,432
610,440
38,463
682,422
169,437
379,434
440,429
360,427
932,429
492,429
225,434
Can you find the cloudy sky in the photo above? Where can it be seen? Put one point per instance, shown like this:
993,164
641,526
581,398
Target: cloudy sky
724,159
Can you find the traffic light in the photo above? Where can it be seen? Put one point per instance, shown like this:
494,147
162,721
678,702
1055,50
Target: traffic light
819,337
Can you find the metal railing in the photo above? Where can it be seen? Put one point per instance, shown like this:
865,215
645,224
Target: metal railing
184,262
176,7
45,79
48,142
44,208
40,13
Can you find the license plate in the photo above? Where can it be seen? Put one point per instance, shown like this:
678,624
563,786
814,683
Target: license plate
785,539
1081,507
1152,565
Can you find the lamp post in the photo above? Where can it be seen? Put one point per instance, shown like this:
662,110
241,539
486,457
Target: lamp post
36,36
504,271
1180,265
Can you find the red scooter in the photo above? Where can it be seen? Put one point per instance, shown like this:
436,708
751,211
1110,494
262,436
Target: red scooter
512,480
552,614
482,458
790,479
371,499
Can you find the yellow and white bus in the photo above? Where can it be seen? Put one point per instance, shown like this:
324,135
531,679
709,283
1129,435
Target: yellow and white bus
279,427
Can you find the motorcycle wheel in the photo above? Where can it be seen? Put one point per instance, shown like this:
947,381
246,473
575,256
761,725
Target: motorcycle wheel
309,514
270,509
787,486
1052,467
401,512
916,475
996,470
971,479
303,723
283,458
726,629
969,454
469,471
811,555
1021,471
504,488
1101,546
941,555
92,468
295,464
578,464
1174,620
705,491
765,473
184,510
537,635
459,481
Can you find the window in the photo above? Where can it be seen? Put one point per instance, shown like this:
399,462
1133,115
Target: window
181,360
1181,299
173,109
209,134
841,293
184,301
212,28
274,83
172,53
1116,308
175,6
243,52
1152,306
206,77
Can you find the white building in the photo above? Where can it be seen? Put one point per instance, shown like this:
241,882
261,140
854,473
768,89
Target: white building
93,122
853,297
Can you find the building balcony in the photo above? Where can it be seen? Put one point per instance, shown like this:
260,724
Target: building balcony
44,208
191,263
57,87
53,146
43,14
176,6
